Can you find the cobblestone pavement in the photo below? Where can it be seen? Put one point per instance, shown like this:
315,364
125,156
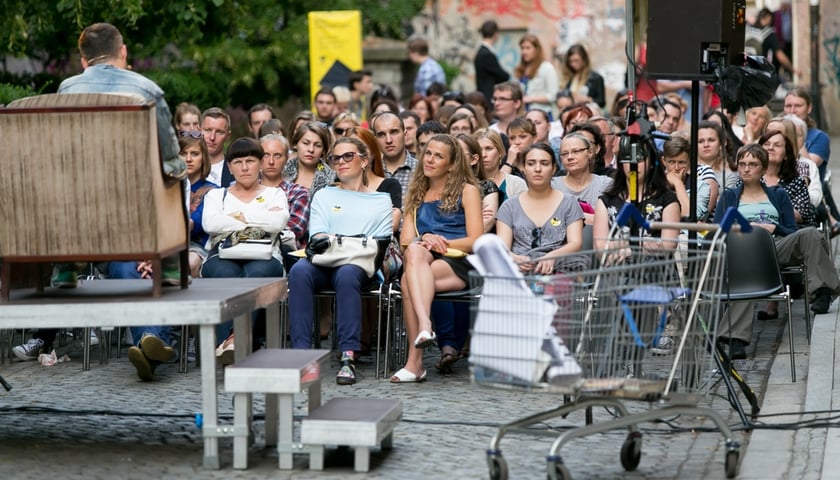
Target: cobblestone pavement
65,423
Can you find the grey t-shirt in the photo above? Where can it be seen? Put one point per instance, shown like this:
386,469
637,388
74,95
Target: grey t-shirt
534,240
590,193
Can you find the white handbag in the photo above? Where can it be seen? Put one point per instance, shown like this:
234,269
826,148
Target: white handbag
358,250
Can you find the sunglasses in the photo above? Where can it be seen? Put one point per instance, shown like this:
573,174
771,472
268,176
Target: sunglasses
190,133
347,157
536,237
343,132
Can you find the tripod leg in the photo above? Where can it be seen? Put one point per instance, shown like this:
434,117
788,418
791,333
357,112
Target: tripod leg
724,371
5,383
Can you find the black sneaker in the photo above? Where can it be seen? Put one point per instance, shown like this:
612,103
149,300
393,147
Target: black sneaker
823,301
737,349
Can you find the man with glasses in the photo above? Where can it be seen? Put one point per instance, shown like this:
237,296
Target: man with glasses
215,125
507,102
390,134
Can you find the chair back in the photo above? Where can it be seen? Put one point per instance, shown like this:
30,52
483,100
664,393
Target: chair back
752,266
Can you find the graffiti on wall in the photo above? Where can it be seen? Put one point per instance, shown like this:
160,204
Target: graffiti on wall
832,51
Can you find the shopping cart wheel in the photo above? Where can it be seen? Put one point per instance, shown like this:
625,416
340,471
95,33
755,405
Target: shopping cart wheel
497,465
731,463
631,451
557,469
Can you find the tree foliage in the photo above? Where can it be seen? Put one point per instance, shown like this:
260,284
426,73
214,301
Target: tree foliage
248,45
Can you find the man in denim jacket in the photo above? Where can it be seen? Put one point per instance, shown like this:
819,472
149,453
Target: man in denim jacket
103,56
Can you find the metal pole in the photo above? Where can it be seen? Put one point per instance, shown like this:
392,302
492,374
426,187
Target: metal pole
630,46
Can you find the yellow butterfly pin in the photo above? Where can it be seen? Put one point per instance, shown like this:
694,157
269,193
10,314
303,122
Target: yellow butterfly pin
555,222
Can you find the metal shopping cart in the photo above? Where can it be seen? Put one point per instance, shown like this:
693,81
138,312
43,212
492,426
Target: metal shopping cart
590,335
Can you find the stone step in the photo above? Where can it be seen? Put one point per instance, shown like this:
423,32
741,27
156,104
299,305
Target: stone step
359,423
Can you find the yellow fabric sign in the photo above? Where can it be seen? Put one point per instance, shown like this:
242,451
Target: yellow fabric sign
335,42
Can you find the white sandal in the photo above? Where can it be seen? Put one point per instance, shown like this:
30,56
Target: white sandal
425,339
407,376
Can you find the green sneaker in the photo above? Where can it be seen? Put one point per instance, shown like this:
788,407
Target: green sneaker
64,276
172,277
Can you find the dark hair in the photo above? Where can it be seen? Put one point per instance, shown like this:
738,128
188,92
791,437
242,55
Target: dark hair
475,149
544,147
409,114
488,29
456,117
272,126
731,142
444,112
362,150
243,147
478,98
432,126
187,141
598,162
512,86
453,96
756,151
381,91
417,98
577,49
99,41
721,138
419,46
325,91
655,181
573,111
305,115
436,88
787,170
357,76
317,129
392,105
260,107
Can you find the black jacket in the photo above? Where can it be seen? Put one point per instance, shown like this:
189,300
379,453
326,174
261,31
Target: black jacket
488,72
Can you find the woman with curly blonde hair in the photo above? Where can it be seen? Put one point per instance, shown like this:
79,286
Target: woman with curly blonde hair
442,212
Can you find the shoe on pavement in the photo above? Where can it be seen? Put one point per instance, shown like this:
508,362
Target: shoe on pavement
64,276
665,346
347,374
29,350
155,349
145,369
737,349
823,301
225,352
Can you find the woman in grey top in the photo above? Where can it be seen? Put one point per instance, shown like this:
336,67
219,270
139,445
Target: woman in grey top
579,181
542,225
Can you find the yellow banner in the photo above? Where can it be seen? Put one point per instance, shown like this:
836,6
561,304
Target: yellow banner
335,48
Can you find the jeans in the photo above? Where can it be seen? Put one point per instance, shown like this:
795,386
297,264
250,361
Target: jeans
451,322
305,280
215,267
128,271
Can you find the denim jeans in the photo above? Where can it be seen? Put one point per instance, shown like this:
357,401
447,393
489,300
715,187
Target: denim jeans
128,271
215,267
305,280
451,322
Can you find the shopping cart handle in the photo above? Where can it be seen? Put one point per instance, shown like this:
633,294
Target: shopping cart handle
630,212
731,216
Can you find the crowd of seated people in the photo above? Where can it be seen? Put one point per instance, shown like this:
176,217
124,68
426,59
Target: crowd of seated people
524,159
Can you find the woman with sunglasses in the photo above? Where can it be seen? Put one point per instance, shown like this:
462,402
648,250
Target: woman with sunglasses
344,124
542,225
351,207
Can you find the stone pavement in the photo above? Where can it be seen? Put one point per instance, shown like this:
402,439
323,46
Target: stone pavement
64,423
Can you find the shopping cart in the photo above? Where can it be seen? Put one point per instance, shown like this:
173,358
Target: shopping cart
590,336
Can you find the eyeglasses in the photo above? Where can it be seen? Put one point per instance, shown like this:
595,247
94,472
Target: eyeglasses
190,133
343,158
536,237
574,152
750,165
501,99
343,132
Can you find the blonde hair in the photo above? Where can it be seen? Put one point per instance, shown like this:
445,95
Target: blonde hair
454,187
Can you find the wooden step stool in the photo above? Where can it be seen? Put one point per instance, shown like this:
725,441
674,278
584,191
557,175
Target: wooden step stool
279,373
361,423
